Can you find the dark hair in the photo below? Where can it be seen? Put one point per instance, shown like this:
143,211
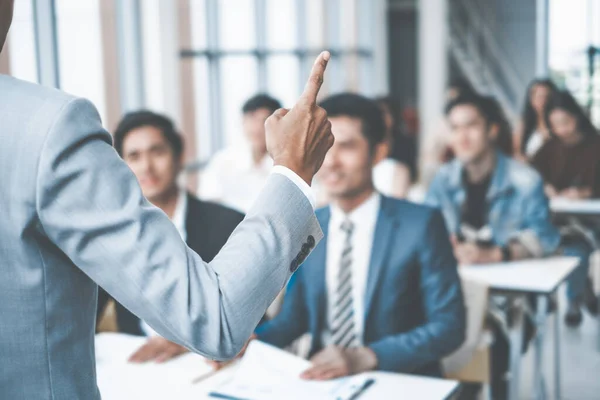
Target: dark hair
504,139
138,119
462,85
261,101
529,116
563,100
492,112
395,108
357,106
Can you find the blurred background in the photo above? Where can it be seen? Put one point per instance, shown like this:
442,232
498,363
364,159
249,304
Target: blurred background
199,60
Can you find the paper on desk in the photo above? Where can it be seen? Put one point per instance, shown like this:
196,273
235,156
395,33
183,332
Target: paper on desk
268,373
114,349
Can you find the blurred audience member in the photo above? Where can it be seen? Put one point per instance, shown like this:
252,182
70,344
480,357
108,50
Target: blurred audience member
403,147
532,132
494,207
504,139
570,165
235,176
382,290
152,148
435,148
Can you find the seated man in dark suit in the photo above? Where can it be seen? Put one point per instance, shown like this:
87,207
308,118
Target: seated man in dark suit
382,291
152,148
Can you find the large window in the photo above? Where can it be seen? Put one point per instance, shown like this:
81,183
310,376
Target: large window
574,30
242,47
21,43
80,58
196,60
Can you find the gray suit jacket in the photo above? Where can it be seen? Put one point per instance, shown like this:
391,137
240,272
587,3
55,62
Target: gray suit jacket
73,216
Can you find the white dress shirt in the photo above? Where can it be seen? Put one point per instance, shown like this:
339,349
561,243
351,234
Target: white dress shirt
179,221
364,219
534,144
233,179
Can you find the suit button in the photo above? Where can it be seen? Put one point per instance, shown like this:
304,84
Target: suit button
311,241
306,249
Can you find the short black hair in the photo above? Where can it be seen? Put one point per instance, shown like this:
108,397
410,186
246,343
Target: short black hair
491,110
259,101
360,107
481,103
461,85
138,119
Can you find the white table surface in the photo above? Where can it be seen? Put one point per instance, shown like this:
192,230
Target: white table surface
121,381
566,206
529,276
387,386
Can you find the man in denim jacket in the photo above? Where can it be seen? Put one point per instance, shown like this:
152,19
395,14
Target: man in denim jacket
495,207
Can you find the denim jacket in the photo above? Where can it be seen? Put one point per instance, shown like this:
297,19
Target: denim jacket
518,207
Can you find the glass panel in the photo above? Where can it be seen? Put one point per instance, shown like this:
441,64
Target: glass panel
198,24
315,20
154,94
237,24
283,74
239,82
349,69
23,60
80,50
281,24
348,24
202,108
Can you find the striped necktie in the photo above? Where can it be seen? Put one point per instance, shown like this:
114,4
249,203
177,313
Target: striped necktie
343,332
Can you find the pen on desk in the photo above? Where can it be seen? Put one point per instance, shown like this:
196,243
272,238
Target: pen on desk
361,390
210,374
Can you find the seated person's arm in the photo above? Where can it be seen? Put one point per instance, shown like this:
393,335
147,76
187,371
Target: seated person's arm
538,237
292,320
443,307
289,324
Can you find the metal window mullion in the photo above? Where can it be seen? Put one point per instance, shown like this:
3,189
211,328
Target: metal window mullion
260,15
130,54
214,76
46,42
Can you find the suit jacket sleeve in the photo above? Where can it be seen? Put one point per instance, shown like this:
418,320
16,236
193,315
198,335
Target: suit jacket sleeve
292,321
91,207
444,328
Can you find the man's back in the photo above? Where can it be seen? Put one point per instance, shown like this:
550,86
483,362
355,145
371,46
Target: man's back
35,273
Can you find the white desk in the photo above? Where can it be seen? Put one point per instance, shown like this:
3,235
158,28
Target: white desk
575,207
118,380
542,278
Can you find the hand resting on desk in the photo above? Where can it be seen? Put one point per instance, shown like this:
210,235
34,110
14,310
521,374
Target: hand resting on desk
157,349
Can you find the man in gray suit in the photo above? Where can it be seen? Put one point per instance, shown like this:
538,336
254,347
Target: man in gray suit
73,216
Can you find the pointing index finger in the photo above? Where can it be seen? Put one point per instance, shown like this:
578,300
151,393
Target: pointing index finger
315,80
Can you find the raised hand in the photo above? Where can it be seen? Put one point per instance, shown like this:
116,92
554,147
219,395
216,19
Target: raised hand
300,138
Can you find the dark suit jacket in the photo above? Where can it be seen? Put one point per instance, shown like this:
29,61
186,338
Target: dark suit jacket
414,311
208,226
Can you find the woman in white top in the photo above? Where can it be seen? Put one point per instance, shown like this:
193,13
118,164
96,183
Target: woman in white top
392,176
532,131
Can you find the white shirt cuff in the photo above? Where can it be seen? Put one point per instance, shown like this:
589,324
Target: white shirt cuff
302,185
